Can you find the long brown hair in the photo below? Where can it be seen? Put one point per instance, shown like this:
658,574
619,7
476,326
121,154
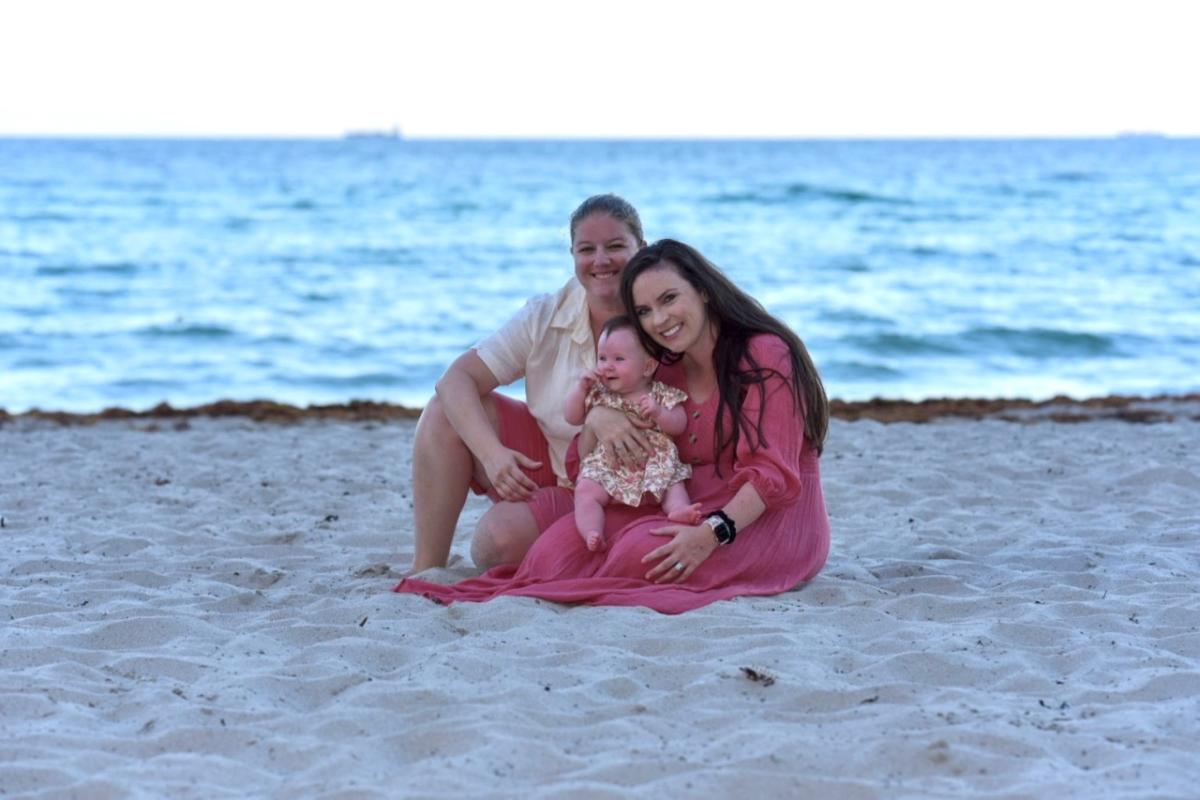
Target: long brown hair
738,317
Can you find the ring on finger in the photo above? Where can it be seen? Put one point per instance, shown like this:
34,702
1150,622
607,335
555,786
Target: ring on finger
679,566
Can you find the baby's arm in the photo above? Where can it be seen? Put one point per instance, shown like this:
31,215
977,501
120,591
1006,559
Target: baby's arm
575,407
672,421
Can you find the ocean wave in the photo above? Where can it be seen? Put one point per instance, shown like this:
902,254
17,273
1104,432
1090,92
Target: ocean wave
853,315
21,254
841,195
31,362
90,292
127,384
856,265
1041,342
859,370
1025,192
903,344
196,330
361,380
378,256
805,191
42,217
112,268
926,251
458,208
300,204
1032,343
1072,176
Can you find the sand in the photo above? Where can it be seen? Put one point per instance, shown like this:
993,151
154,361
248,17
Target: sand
200,607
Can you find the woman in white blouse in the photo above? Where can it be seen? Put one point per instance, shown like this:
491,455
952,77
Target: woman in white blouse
471,437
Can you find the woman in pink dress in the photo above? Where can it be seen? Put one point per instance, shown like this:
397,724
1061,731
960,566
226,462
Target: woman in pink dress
757,418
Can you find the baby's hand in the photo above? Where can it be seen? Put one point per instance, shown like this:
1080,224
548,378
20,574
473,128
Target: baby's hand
648,407
587,378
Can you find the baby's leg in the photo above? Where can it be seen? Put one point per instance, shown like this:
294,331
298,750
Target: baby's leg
590,500
678,506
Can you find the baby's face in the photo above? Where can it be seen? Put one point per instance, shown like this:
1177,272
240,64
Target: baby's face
622,363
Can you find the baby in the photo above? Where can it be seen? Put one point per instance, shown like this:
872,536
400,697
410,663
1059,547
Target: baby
622,380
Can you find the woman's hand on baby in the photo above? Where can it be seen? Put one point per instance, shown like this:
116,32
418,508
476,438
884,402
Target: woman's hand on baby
690,546
506,472
621,435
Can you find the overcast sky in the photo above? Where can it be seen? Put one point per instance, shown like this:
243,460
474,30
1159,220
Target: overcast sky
597,69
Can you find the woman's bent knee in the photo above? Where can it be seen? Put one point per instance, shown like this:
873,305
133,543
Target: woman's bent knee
504,535
433,425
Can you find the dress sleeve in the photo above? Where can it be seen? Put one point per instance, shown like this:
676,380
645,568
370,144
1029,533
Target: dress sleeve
667,396
771,466
506,352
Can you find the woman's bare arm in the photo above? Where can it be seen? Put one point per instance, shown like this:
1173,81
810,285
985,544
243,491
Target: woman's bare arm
461,390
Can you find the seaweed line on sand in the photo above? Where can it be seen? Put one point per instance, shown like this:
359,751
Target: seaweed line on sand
1161,408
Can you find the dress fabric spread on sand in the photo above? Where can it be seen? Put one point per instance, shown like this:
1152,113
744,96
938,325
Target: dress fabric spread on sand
785,546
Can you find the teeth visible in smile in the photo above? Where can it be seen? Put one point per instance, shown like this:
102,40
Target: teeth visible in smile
672,330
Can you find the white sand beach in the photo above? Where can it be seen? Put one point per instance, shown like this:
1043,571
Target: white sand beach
203,609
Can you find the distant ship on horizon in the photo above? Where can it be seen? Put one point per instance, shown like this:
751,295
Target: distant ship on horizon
391,133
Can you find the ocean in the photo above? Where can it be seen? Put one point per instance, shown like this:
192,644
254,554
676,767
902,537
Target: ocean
318,271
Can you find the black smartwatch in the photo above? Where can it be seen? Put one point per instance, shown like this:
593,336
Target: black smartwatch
722,527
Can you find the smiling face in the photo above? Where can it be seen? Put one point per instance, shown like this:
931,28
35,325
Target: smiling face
671,310
621,362
601,248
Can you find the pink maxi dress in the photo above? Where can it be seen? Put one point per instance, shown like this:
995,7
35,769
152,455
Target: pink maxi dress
784,547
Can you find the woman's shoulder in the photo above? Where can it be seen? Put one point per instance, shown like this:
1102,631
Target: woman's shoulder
558,309
769,350
547,303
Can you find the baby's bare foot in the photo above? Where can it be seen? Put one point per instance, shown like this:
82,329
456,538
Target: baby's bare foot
688,515
595,542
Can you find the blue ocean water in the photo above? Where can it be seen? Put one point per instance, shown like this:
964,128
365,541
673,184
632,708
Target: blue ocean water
137,271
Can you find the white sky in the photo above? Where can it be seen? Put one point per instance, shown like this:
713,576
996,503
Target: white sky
610,68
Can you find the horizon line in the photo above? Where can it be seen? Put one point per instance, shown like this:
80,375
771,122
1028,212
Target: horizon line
400,136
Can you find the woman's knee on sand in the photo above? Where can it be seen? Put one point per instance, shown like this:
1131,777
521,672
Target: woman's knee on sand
503,535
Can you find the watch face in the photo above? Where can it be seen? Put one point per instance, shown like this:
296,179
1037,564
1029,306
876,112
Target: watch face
719,528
